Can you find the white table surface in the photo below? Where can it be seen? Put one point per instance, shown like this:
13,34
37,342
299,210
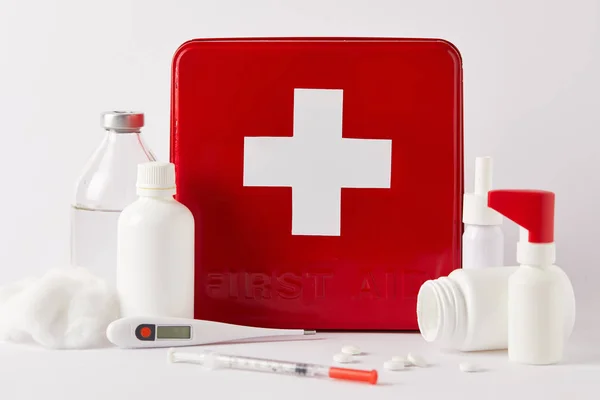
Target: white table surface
32,373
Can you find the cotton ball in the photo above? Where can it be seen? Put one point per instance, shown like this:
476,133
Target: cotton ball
92,308
10,290
11,323
66,308
46,303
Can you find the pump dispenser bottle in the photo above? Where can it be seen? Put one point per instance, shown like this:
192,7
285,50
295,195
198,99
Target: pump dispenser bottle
483,240
536,296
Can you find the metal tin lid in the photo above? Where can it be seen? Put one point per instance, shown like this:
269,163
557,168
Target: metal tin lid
123,121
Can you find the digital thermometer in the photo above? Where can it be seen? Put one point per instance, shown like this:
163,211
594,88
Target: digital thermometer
146,332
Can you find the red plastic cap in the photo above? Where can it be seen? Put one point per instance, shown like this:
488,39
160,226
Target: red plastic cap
353,375
531,209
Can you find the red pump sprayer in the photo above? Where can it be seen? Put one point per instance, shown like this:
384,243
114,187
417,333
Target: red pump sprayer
530,209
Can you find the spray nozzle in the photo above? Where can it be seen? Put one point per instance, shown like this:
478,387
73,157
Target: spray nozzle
475,207
483,175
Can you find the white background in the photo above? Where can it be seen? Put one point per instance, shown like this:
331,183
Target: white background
532,78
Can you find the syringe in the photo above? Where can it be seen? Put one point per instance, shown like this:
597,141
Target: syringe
213,360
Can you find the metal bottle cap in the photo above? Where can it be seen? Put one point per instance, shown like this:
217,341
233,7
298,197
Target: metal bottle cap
123,121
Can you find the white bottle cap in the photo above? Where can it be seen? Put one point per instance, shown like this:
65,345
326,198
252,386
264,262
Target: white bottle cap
475,207
156,178
534,253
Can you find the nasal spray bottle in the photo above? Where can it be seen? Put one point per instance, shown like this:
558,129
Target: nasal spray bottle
536,295
483,240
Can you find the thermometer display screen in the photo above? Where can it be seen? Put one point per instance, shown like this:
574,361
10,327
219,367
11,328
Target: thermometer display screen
173,332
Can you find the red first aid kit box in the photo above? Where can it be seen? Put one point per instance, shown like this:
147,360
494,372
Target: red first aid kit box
325,176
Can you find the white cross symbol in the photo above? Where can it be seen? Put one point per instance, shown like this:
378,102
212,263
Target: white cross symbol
317,162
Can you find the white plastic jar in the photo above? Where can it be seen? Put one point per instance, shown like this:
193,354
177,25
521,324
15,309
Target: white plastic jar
468,309
155,250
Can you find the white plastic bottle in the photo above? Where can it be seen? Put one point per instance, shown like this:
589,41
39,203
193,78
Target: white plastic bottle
535,291
105,188
468,309
155,252
483,239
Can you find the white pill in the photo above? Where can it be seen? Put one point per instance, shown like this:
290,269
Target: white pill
353,350
416,360
394,365
343,358
469,367
401,359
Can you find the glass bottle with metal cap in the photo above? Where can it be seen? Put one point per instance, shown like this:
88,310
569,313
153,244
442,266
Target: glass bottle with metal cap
105,188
